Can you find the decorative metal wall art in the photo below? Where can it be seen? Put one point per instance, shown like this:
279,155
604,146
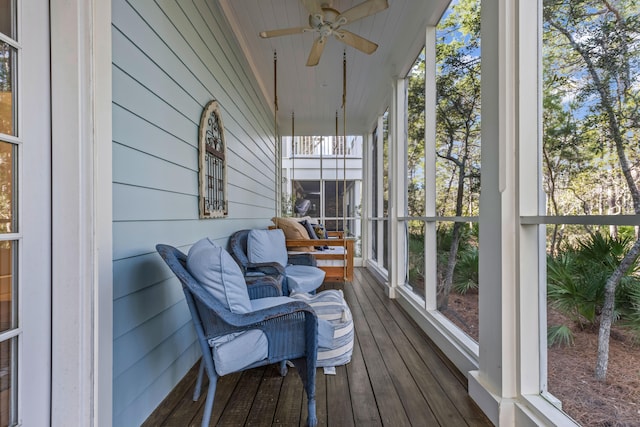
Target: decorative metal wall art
213,194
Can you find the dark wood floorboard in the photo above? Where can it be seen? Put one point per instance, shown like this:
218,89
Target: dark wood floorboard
365,411
266,400
445,379
388,402
397,377
289,410
413,401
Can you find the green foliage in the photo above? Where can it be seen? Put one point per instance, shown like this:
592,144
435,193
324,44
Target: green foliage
577,277
416,259
458,110
575,289
468,239
591,98
632,315
466,272
559,335
465,276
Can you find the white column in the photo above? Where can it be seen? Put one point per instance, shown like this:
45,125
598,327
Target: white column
397,187
430,238
494,385
378,227
367,199
82,220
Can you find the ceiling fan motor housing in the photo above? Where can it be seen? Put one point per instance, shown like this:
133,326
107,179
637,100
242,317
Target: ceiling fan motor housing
319,22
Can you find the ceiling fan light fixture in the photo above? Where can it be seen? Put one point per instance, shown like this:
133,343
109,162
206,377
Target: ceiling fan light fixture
326,21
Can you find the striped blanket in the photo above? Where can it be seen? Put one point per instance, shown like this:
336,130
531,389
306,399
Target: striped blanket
335,326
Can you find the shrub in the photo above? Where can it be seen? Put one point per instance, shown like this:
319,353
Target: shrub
559,335
577,277
631,317
465,276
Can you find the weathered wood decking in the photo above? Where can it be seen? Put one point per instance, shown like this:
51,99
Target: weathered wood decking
396,378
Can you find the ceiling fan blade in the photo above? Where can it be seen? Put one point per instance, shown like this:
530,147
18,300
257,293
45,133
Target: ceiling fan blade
354,40
362,10
312,6
316,52
283,32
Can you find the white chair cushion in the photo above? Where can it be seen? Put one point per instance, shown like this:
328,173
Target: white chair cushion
303,278
220,275
267,246
233,352
239,352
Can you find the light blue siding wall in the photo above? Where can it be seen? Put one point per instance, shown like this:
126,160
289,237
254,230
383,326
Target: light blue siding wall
169,59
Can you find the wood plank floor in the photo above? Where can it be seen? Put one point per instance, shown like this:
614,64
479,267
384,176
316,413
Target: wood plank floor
396,378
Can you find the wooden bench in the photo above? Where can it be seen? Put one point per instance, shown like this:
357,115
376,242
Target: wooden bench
326,259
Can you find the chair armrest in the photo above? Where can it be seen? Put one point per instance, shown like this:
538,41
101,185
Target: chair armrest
253,319
303,259
263,287
272,268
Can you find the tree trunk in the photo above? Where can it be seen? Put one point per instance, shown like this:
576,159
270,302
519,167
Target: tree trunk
606,319
451,266
607,103
554,203
455,240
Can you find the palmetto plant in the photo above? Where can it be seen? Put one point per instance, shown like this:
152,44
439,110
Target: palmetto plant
465,276
631,317
575,289
577,276
560,335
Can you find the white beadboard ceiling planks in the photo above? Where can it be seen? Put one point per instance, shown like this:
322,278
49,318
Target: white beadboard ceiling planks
315,93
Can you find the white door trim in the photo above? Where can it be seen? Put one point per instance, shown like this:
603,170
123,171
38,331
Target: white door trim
34,223
82,303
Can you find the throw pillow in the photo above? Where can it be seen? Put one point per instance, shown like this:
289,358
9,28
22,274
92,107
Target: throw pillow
267,246
293,230
309,228
320,231
312,234
219,274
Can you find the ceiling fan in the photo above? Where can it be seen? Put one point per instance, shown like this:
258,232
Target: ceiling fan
327,21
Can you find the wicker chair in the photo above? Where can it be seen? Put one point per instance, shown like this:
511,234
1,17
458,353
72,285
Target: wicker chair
291,329
238,245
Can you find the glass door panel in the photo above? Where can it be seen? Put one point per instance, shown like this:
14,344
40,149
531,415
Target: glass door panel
7,174
8,61
7,382
10,332
8,18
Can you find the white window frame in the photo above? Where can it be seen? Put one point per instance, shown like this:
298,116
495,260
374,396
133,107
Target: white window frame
458,346
376,224
507,369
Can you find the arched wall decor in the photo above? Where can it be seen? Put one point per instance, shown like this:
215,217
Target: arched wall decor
212,164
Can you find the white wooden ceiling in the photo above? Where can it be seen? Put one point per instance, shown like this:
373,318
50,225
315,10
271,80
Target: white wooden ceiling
314,94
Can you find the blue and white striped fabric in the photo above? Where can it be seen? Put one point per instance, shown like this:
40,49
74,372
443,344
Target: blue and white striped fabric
335,326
